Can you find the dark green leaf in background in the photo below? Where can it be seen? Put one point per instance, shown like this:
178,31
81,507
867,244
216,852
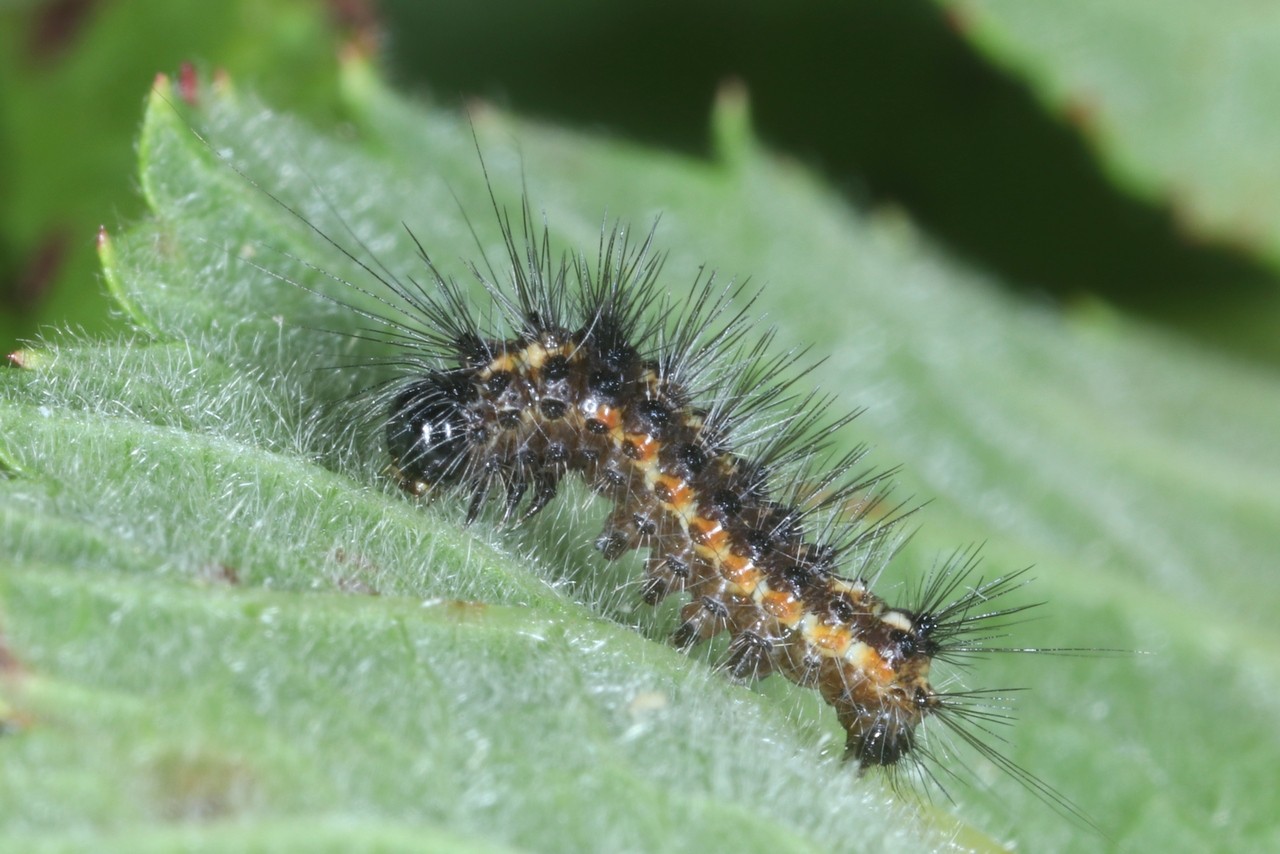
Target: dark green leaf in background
989,122
1180,103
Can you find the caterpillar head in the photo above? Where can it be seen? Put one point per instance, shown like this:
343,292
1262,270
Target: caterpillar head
894,696
953,621
430,430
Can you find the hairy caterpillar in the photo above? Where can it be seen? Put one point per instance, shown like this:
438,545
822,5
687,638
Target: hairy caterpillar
568,385
711,458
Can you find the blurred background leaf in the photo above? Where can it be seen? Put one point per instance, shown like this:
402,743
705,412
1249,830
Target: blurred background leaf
999,126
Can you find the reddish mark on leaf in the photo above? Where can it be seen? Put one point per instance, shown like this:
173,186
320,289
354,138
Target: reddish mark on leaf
220,573
958,17
361,26
1081,111
465,607
37,275
188,84
10,666
54,28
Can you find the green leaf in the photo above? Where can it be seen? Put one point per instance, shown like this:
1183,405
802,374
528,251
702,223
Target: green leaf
1180,99
70,76
1178,103
198,526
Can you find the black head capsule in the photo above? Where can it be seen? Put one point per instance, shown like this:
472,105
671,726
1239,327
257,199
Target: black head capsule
885,740
429,432
886,708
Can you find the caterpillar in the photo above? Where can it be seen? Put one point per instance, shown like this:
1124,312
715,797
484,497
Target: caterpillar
713,461
753,532
710,463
